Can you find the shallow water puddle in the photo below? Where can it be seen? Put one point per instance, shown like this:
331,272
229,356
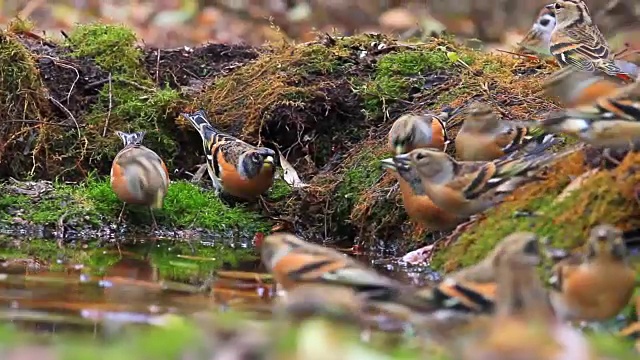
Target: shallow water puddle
90,285
44,287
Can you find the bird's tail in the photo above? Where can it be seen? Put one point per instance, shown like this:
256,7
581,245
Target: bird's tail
134,138
201,123
532,140
533,161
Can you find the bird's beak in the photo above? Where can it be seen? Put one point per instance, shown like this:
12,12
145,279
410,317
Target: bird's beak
550,6
268,161
402,160
158,201
388,164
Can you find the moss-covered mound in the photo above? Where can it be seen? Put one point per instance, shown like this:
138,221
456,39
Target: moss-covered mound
62,103
327,105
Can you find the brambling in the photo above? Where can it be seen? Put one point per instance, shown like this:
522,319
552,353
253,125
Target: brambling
484,137
577,41
538,38
412,131
538,41
597,284
578,88
235,167
138,175
417,204
612,121
293,261
474,288
523,325
467,188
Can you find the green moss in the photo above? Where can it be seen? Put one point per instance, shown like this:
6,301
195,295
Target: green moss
136,110
94,203
130,101
21,95
361,173
18,25
280,190
111,46
318,59
188,205
603,198
397,72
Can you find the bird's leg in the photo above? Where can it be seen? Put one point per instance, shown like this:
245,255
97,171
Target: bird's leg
263,203
154,226
606,154
217,184
394,189
121,213
198,175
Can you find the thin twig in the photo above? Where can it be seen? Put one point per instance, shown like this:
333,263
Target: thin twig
38,122
101,82
158,67
106,122
66,111
64,65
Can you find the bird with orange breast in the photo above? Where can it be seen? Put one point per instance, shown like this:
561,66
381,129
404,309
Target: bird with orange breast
416,203
294,262
138,175
412,131
611,121
473,288
485,137
235,167
595,285
523,325
467,188
578,88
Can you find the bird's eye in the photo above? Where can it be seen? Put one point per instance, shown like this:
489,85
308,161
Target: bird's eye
558,6
532,247
256,158
420,156
544,22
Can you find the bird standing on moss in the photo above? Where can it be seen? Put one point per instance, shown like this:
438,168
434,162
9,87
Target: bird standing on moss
484,137
138,175
467,188
576,41
597,284
524,325
235,167
417,204
411,131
